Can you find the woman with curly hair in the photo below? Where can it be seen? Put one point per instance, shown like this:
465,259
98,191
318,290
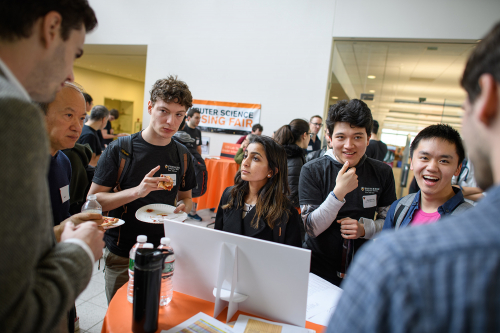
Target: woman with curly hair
257,205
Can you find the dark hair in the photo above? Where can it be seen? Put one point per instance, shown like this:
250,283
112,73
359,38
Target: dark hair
440,131
171,90
192,111
88,98
289,134
272,201
375,127
99,112
17,18
485,58
355,112
114,113
316,116
257,127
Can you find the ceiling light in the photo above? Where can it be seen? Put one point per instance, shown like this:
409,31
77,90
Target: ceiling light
371,91
335,97
371,76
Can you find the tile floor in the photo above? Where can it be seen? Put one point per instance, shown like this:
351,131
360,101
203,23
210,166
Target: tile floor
91,305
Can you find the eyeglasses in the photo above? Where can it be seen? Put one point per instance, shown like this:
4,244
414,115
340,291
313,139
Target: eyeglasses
316,124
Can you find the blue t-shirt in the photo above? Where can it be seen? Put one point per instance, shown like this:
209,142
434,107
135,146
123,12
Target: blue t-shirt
59,177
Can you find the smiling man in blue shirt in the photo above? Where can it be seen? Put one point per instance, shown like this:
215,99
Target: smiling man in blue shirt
443,277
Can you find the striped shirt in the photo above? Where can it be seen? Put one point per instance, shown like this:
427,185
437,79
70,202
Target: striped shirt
442,277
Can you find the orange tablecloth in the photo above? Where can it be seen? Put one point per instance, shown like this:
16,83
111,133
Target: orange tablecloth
118,318
220,175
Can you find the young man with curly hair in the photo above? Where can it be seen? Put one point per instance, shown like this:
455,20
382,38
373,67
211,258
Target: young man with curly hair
153,153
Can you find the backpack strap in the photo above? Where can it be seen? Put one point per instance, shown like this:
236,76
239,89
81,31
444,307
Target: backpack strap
125,144
402,208
183,157
461,208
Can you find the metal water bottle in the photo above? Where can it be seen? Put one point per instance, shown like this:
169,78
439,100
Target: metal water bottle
147,284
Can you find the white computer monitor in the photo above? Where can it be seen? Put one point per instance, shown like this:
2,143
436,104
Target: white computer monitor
273,276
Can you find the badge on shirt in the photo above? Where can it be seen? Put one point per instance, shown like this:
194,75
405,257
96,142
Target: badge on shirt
197,141
172,175
309,147
64,193
369,201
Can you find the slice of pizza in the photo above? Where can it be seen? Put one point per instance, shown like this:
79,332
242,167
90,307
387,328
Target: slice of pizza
109,221
167,184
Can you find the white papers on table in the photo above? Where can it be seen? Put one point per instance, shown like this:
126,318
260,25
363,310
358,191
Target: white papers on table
322,299
257,325
201,323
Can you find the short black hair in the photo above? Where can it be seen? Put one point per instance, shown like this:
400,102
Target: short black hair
375,127
88,98
485,58
17,18
99,112
192,111
440,131
114,113
257,127
355,112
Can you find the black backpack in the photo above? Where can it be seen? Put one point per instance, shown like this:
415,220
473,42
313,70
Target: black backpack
200,168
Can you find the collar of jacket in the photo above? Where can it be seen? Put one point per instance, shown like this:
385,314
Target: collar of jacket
448,207
293,151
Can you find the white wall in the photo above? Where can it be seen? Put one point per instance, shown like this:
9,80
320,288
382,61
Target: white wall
275,53
423,19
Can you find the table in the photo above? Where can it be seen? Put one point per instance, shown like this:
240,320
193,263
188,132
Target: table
220,175
118,318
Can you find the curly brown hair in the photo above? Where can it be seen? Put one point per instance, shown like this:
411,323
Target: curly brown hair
171,90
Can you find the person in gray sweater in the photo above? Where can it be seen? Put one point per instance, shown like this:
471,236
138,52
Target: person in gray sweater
39,278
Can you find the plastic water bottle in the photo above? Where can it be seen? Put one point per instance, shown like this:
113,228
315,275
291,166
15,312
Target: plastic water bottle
141,243
167,288
91,205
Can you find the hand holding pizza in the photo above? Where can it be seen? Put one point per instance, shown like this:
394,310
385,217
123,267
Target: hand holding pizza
149,183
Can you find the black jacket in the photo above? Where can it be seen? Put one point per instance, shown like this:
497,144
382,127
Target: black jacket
295,161
231,220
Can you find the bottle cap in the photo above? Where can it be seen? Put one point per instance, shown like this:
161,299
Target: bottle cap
91,197
142,239
165,241
147,246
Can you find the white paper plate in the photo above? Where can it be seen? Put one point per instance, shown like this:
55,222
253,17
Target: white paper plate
159,211
117,224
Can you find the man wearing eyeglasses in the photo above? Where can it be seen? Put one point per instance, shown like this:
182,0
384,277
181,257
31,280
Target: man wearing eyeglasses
315,125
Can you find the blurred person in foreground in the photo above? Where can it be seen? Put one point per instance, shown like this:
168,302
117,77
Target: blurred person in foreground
39,278
257,205
442,277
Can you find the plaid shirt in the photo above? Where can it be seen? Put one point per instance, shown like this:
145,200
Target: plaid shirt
442,277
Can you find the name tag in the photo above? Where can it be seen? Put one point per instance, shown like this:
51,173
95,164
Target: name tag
369,201
197,141
64,193
173,176
309,147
